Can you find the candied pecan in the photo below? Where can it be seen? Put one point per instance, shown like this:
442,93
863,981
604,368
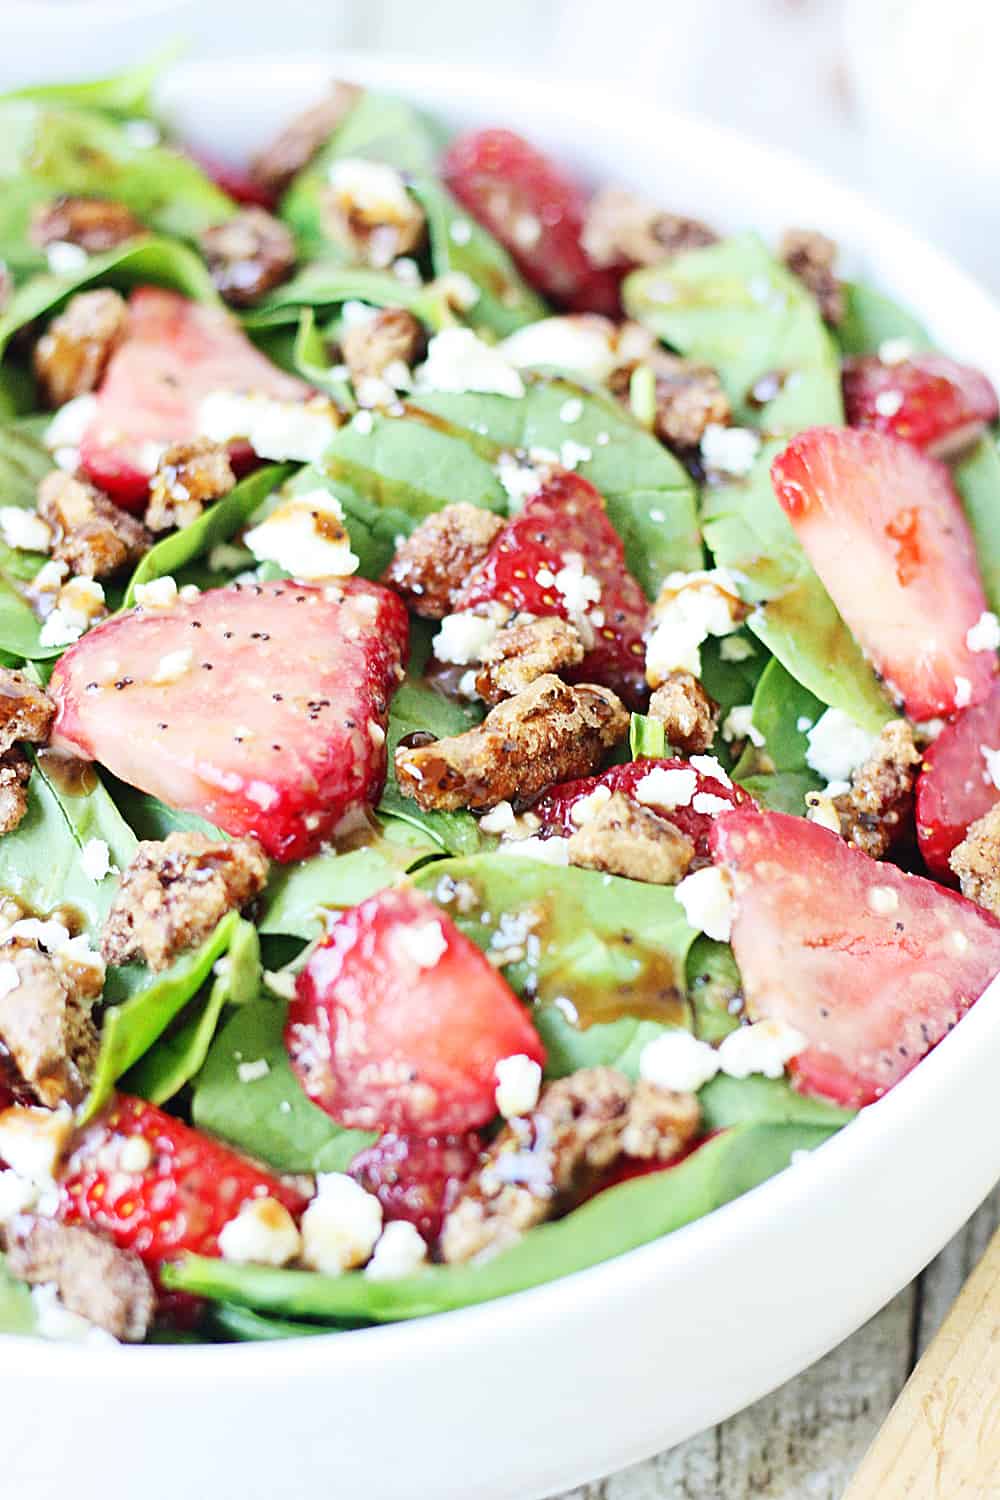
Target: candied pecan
976,861
95,224
109,1287
188,477
811,256
367,211
392,337
15,773
688,715
45,1026
175,891
661,1122
433,562
525,650
93,536
296,145
880,800
247,255
26,710
620,227
550,732
688,397
623,838
71,356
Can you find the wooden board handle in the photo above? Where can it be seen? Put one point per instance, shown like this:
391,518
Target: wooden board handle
941,1441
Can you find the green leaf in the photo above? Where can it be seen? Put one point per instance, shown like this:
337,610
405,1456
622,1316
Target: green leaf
780,791
714,988
329,284
128,93
240,1325
17,1311
779,704
143,1005
977,478
24,462
417,707
270,1118
646,738
150,818
620,1219
756,1100
417,466
604,957
871,317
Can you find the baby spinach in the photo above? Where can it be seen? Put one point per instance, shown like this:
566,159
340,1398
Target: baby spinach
149,818
239,1325
24,462
128,93
977,478
620,1219
270,1117
714,988
17,1311
413,465
870,317
757,1100
417,707
329,284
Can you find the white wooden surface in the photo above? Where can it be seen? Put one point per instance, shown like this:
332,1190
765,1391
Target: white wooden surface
805,1441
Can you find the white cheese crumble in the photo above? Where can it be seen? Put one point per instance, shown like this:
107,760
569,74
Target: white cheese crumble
32,1141
572,454
739,725
690,608
65,258
70,423
423,943
460,231
666,787
95,860
341,1225
263,1233
406,270
159,593
173,666
24,530
735,648
520,480
579,345
710,805
253,1072
963,692
888,403
500,819
579,589
803,723
552,851
708,765
306,536
729,450
17,1196
79,604
992,759
53,1320
49,578
400,1251
374,192
707,900
463,638
142,133
678,1061
895,351
985,634
585,809
571,411
837,746
458,360
278,430
519,1081
763,1047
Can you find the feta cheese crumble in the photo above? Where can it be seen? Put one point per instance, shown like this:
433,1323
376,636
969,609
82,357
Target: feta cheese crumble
739,725
65,258
24,530
500,819
464,637
585,809
159,593
690,608
707,900
95,860
552,851
519,1081
888,403
79,604
341,1225
729,450
253,1072
33,1141
837,746
279,430
263,1233
762,1047
666,788
457,360
678,1061
70,423
400,1251
306,536
985,634
520,479
578,345
423,943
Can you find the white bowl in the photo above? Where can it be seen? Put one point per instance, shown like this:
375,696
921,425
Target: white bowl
537,1392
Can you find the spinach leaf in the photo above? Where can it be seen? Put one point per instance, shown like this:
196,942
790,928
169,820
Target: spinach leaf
756,1100
240,1325
150,818
871,317
620,1219
328,284
977,478
17,1311
413,464
128,93
714,988
24,462
778,776
270,1118
780,791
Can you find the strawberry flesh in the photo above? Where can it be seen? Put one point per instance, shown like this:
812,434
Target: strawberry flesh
271,710
417,1178
174,354
928,400
399,1021
871,965
955,786
884,528
564,525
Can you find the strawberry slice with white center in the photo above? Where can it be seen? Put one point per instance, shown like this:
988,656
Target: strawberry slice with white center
262,707
561,556
872,966
399,1021
884,529
928,400
175,353
959,782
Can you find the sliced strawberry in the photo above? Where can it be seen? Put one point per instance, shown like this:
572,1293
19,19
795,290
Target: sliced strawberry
269,714
564,525
417,1177
928,400
556,808
175,353
235,182
191,1187
399,1021
536,211
872,966
884,529
955,786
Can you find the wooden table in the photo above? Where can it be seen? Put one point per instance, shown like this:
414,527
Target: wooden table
805,1441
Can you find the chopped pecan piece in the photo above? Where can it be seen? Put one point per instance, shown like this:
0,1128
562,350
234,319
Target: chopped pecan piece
976,861
393,337
525,650
367,211
26,710
620,227
880,801
275,166
811,256
15,773
95,224
188,477
550,732
107,1286
689,397
93,536
175,891
45,1026
623,838
688,715
543,1164
71,356
247,255
433,562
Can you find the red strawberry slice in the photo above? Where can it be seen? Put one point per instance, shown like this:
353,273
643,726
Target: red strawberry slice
235,182
399,1021
417,1177
175,353
564,525
955,786
269,714
536,211
556,808
884,529
928,400
872,966
191,1187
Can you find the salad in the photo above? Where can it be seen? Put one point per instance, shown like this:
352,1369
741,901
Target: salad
499,708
